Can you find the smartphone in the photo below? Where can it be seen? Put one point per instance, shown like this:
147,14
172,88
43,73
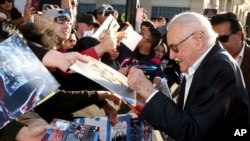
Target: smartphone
36,4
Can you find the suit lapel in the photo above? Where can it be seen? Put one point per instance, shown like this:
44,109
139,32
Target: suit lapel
181,94
245,61
196,78
245,67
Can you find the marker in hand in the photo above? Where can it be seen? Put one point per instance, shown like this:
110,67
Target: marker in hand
147,68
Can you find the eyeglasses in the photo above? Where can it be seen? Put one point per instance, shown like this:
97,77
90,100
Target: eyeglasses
174,47
4,1
224,38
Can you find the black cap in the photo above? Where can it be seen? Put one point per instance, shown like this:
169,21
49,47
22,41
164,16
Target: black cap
87,19
100,9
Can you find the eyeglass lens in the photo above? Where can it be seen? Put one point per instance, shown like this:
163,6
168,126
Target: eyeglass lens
174,46
224,38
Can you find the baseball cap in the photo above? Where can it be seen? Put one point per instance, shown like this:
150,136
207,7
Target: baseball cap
87,19
100,9
51,14
108,7
103,8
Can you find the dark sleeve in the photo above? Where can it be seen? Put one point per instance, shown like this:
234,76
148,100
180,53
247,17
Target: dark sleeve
15,13
64,103
219,95
101,103
167,106
38,50
9,132
82,98
77,99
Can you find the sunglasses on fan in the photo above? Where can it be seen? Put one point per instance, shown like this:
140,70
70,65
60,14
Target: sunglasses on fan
225,38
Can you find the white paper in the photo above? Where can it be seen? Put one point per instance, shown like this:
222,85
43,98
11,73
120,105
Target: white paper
107,77
132,38
110,24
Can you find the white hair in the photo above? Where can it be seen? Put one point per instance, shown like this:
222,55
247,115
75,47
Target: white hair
196,21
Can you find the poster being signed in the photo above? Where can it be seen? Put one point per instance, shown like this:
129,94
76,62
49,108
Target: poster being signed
107,77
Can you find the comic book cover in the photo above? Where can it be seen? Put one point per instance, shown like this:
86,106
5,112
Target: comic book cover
121,131
107,132
135,129
102,122
71,131
24,81
107,77
147,132
139,130
129,128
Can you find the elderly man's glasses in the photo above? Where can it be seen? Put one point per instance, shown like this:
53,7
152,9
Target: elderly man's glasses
224,38
174,47
4,1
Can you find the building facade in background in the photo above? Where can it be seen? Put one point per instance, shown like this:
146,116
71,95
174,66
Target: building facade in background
169,8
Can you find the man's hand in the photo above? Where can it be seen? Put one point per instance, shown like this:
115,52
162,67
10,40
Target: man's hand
139,83
124,70
33,133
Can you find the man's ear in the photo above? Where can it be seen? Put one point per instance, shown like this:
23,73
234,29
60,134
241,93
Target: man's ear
240,35
199,38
